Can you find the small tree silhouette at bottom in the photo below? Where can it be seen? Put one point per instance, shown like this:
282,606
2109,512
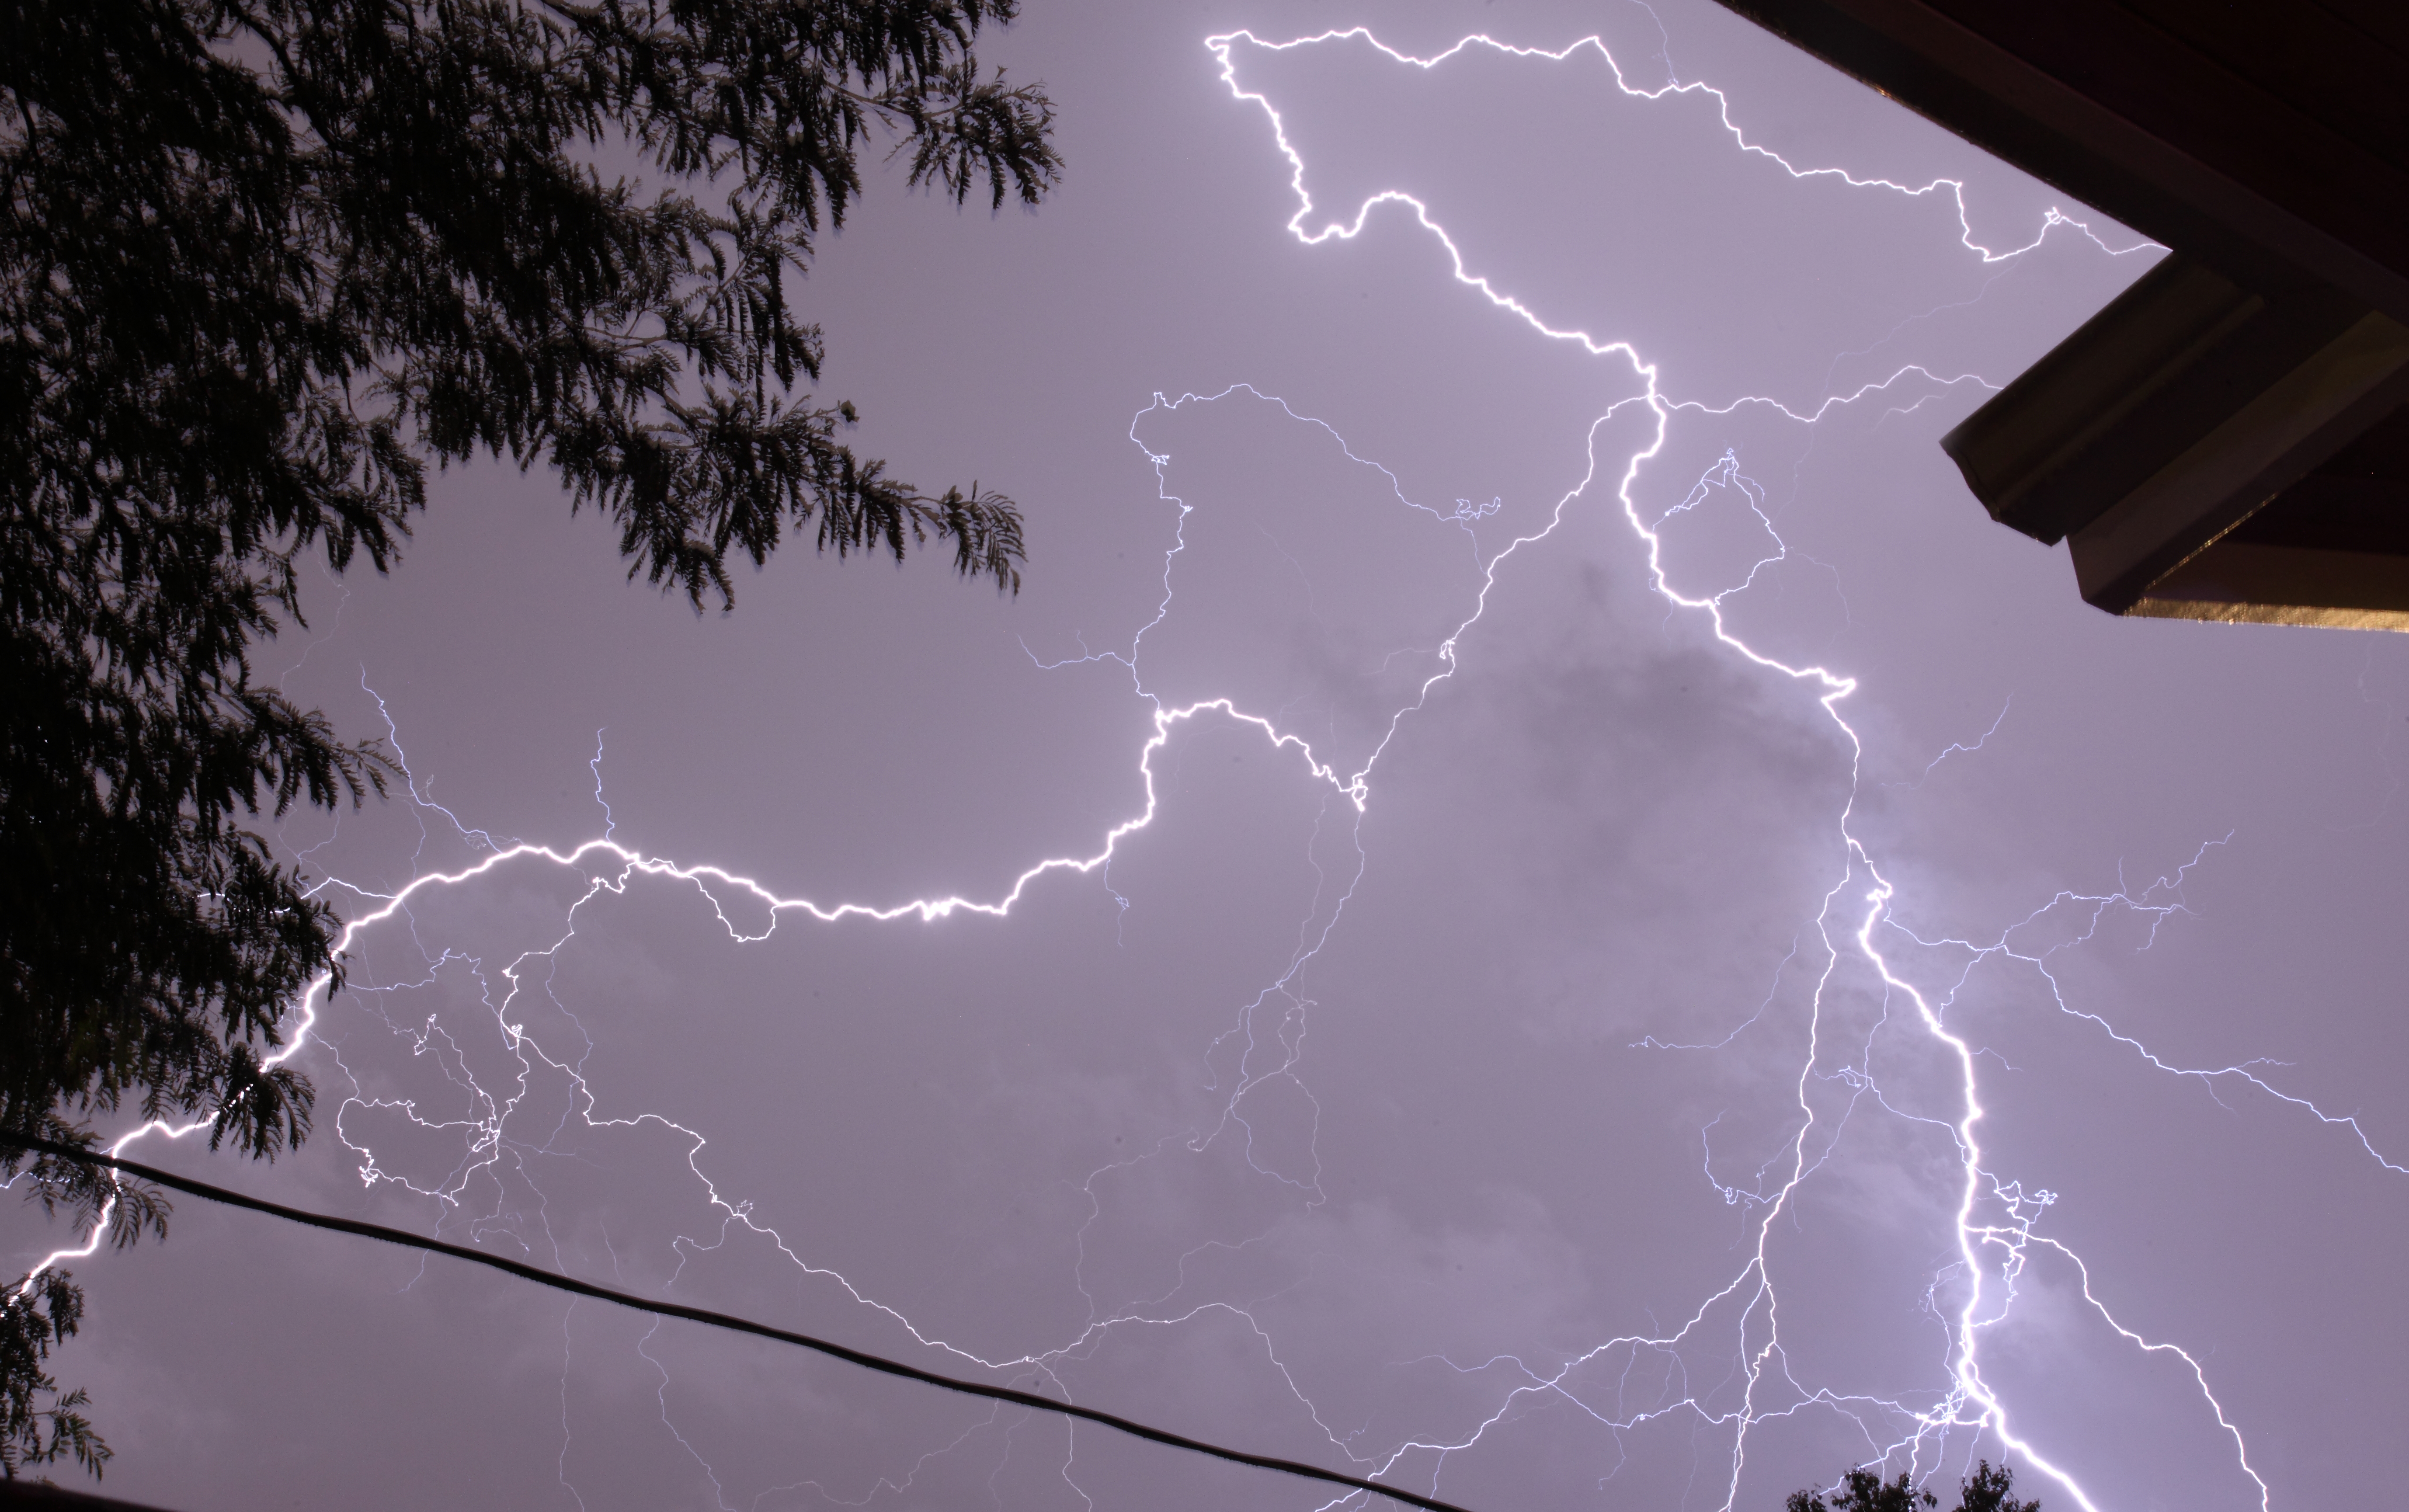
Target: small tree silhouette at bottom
1864,1490
40,1311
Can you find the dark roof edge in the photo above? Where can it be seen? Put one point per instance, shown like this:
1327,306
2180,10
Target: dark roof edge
1979,91
2167,361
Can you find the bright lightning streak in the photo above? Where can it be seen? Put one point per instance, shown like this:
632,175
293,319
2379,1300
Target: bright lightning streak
1973,1238
1960,748
1992,1252
1223,48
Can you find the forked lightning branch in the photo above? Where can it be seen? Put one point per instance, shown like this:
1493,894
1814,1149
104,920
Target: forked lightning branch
1998,1222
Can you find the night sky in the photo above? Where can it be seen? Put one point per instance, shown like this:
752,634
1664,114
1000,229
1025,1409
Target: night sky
1524,1037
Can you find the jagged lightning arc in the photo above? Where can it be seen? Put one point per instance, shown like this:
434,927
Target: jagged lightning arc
1996,1219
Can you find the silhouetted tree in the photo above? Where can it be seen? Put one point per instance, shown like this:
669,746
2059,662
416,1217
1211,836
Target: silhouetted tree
1987,1491
1864,1490
41,1312
263,262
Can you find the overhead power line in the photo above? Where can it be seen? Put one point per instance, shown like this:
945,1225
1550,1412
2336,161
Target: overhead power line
723,1320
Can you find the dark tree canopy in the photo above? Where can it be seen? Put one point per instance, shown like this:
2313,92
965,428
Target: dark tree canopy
266,261
1864,1490
42,1312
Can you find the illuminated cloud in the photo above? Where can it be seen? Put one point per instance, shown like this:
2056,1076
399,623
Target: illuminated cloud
1529,899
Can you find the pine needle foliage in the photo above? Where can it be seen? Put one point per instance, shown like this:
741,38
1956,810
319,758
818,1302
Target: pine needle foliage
264,263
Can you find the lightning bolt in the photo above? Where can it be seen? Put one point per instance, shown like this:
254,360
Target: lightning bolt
1996,1231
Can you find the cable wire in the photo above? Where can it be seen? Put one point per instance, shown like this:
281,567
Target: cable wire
723,1320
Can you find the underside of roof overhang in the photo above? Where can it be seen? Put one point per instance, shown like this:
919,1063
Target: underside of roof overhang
2230,439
